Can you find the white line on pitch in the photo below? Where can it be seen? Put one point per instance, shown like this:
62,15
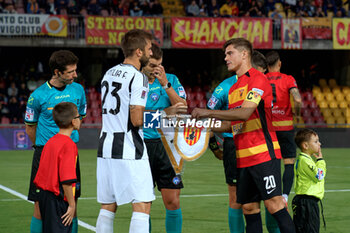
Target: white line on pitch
21,196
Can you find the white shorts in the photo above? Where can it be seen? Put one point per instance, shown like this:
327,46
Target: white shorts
124,181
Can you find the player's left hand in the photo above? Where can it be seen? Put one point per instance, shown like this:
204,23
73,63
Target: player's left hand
159,73
199,113
68,216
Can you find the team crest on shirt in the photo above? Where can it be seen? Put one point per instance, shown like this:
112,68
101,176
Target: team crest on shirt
182,92
29,114
176,180
154,96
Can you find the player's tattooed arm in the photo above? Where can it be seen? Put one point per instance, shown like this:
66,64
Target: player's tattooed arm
136,115
297,101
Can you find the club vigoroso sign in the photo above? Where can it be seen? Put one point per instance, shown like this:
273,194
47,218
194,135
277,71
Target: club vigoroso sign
213,32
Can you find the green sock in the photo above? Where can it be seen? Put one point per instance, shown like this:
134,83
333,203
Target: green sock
271,223
235,220
173,221
36,225
75,225
150,224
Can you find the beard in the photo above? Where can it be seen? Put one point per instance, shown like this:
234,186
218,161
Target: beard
144,60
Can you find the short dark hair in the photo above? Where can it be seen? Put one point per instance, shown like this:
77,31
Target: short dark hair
303,135
63,114
157,52
272,58
61,59
258,59
240,43
134,39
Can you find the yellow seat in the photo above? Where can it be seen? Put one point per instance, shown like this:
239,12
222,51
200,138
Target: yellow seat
332,83
333,104
347,97
343,104
329,96
319,96
339,96
326,113
316,88
322,82
337,113
323,104
346,90
330,122
326,90
336,90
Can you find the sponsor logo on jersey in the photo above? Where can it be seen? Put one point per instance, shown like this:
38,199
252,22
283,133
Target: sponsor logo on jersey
30,100
259,91
218,90
143,95
320,174
182,92
29,114
212,102
154,96
151,120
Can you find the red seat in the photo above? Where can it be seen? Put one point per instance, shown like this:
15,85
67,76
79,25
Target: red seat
202,104
313,104
190,95
98,119
96,112
309,120
200,96
94,104
308,96
305,112
5,120
316,113
192,103
197,89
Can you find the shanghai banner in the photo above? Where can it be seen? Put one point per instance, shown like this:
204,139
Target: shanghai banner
213,32
291,34
317,28
341,33
29,24
110,30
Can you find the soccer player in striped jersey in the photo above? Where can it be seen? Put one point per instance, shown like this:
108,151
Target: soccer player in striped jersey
283,87
123,170
165,93
40,125
257,148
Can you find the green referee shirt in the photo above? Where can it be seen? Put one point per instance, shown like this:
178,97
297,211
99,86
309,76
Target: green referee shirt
309,176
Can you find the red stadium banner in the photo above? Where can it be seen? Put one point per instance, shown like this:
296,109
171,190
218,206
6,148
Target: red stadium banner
29,24
341,33
213,32
317,28
291,34
110,30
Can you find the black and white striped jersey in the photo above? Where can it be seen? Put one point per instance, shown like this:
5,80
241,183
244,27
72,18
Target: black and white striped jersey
122,86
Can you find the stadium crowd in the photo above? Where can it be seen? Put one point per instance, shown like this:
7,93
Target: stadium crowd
197,8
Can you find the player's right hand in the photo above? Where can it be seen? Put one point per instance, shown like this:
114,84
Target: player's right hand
68,216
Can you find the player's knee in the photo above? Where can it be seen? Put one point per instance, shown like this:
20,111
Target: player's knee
274,204
251,208
172,204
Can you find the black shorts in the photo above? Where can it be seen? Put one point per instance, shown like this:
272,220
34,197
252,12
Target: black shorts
163,172
230,161
33,194
287,144
52,208
306,214
259,182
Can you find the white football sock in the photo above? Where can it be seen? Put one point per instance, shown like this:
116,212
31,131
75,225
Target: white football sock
104,222
139,223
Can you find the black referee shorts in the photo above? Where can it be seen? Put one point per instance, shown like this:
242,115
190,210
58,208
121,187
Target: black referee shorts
52,208
230,161
287,144
33,193
163,172
306,214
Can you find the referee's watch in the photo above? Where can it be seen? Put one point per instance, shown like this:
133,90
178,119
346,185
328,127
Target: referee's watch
166,86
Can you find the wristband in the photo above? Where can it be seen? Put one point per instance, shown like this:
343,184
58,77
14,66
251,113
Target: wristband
213,144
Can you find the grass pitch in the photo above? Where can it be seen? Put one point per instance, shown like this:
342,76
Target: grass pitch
204,200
